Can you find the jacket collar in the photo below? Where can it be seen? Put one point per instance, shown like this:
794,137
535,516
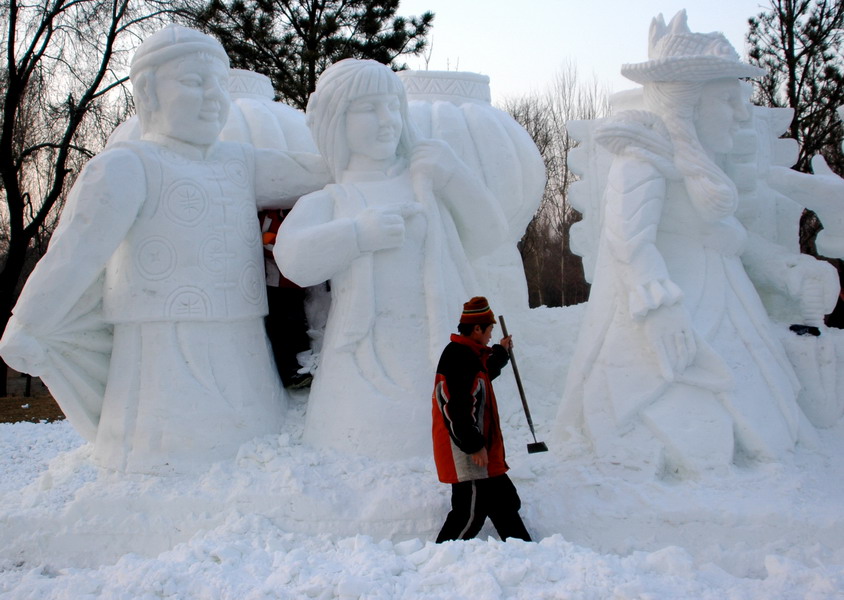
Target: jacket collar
479,349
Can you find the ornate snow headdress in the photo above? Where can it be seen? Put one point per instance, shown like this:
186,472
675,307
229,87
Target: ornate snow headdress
172,42
677,54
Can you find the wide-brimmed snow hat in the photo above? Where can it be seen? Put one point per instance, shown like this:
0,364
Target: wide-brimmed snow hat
677,54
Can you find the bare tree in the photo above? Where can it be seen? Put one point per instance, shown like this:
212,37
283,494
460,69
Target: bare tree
554,274
64,65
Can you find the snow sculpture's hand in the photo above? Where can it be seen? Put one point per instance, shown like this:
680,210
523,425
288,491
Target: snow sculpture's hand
670,332
379,228
435,161
21,350
814,283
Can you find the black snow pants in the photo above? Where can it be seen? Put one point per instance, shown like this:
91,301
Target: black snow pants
473,501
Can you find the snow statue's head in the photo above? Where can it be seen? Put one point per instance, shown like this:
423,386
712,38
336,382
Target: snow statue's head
180,81
692,82
358,116
693,79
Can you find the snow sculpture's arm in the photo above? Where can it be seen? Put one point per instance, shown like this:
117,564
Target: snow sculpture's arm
101,208
813,283
634,199
823,193
282,177
478,217
312,246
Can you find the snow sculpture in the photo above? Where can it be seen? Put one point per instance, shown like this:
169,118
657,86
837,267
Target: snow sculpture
392,235
678,364
145,317
815,359
455,107
823,193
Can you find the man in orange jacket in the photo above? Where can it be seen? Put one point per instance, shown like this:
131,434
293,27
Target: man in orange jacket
468,445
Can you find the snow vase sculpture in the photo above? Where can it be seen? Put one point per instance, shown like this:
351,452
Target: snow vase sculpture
455,107
677,363
392,235
145,317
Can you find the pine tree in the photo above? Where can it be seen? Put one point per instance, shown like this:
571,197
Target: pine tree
798,43
293,41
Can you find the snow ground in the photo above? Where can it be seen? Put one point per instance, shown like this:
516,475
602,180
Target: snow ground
286,521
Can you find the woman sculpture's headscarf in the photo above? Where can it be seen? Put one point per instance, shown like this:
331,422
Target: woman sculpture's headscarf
340,85
681,63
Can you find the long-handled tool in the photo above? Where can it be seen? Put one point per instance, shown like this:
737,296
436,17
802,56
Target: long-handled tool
535,446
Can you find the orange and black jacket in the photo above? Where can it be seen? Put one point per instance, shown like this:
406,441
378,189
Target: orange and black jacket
464,411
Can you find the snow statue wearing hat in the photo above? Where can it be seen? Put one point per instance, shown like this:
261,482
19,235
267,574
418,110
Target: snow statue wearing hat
392,236
145,317
678,365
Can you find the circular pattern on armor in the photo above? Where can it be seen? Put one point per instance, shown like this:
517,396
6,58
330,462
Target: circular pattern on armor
185,202
188,304
155,258
213,254
252,283
248,226
236,170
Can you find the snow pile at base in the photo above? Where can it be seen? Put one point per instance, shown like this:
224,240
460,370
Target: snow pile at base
286,521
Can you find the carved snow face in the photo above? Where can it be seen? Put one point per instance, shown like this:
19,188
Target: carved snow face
192,99
719,111
373,128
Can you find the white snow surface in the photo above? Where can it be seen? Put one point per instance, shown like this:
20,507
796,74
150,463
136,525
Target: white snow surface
285,521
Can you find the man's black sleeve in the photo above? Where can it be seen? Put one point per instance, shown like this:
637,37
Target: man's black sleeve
461,410
497,361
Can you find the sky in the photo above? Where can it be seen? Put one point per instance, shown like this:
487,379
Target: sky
521,44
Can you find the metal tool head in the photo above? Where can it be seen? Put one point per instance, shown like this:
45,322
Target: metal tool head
537,447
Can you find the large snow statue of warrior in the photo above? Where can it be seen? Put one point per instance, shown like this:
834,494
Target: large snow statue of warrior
393,236
678,364
145,317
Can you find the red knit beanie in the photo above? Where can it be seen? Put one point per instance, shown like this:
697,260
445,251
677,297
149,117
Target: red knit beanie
477,312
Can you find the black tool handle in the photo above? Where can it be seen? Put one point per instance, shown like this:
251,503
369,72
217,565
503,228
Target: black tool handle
518,379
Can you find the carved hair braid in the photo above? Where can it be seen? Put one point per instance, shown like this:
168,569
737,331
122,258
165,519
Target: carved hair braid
711,191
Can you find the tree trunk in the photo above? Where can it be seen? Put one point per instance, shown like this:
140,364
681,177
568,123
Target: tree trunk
9,278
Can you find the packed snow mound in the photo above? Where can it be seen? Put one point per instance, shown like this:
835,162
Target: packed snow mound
283,520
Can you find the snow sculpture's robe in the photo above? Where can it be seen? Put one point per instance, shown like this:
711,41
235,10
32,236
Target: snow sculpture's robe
658,248
150,303
391,311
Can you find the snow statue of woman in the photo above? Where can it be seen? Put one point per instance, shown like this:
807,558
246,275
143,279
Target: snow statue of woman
678,365
145,317
392,236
